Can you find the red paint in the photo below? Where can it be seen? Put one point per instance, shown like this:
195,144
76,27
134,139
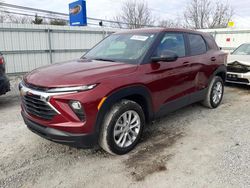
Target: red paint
166,81
228,39
1,60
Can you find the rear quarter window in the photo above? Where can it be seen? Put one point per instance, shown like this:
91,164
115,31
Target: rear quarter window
211,42
197,44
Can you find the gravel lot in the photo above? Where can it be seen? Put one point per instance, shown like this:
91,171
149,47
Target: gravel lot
193,147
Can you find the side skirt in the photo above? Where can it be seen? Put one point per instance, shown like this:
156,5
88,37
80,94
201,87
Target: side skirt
181,102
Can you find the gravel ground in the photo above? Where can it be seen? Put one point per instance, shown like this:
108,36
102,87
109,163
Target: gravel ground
193,147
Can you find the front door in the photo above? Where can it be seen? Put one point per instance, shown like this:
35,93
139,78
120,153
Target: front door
171,80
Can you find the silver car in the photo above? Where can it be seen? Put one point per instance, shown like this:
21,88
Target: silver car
238,67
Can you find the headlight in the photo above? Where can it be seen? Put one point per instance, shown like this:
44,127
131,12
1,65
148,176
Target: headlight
72,89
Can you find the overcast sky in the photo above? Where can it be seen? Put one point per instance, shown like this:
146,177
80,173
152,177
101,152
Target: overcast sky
106,9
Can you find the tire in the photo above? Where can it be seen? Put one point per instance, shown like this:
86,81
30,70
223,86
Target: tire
117,123
213,89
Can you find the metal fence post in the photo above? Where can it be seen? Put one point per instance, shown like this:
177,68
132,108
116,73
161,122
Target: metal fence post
103,33
215,34
50,48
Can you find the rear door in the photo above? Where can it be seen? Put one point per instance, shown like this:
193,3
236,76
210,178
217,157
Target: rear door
199,61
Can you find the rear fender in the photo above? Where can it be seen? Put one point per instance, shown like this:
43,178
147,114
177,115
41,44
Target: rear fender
221,70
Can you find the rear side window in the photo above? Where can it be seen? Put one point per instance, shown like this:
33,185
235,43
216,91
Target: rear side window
197,44
211,42
173,42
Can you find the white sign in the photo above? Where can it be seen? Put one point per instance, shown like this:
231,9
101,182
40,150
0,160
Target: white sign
139,37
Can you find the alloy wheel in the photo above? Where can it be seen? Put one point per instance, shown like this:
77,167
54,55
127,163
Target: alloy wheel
127,128
217,92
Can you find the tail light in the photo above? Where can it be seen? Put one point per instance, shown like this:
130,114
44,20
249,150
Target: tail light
1,60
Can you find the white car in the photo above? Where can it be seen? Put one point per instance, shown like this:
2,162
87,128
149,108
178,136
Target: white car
238,67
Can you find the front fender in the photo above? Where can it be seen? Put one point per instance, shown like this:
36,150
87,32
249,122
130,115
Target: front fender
120,94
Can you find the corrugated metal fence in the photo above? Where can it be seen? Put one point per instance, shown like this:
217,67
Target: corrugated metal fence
230,38
26,47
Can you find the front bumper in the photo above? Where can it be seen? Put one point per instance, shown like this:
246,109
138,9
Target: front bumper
4,85
238,78
75,140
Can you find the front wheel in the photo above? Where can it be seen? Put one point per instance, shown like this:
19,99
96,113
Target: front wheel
215,93
122,127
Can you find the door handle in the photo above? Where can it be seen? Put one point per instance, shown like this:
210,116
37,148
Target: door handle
213,59
186,63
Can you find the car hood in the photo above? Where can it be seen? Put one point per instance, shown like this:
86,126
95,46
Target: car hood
77,72
241,59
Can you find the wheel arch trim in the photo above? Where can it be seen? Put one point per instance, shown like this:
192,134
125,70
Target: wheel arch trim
122,93
221,69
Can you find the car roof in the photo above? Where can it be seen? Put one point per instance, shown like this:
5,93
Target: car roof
159,30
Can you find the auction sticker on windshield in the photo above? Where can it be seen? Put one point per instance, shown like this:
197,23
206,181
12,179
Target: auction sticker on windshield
139,37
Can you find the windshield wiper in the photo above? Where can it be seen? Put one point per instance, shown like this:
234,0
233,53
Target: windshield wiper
103,59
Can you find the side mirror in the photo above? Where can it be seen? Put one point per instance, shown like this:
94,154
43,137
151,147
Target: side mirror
166,56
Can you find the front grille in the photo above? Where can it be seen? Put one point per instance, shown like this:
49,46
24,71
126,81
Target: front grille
242,80
35,106
239,68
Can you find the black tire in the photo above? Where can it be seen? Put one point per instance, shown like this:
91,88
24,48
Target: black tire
208,101
107,138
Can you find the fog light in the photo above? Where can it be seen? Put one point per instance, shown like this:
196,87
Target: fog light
76,106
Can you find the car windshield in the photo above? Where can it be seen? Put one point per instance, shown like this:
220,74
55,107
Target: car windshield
128,48
244,49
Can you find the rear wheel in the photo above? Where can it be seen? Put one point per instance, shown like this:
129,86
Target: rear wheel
122,127
215,93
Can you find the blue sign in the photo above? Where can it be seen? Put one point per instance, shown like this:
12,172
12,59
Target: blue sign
77,13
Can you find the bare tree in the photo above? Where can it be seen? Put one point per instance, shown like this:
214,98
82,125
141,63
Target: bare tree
135,14
169,23
200,14
38,20
222,15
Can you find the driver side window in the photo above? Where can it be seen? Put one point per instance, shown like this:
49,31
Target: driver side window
172,42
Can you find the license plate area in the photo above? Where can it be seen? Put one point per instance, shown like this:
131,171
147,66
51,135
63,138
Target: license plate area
232,77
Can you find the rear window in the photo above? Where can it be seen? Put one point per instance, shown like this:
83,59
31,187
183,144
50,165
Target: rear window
197,44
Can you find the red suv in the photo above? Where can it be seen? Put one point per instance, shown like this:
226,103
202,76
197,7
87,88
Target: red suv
131,77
